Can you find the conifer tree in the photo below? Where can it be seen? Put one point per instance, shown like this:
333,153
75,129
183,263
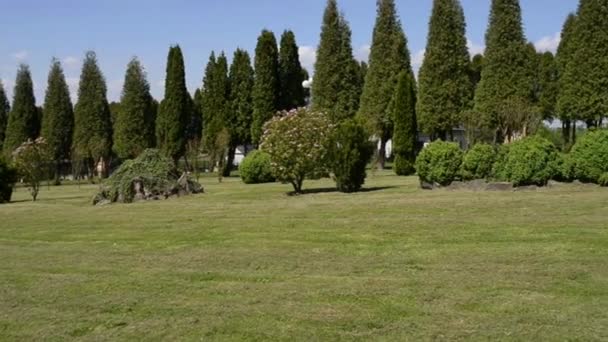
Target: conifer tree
363,73
5,108
22,120
444,83
174,111
476,67
240,113
58,118
507,72
389,56
587,73
291,76
134,126
547,85
405,136
214,99
92,140
266,83
336,87
565,106
194,130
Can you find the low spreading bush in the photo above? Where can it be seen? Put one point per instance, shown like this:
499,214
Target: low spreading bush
348,154
590,156
478,162
531,161
256,168
439,162
8,177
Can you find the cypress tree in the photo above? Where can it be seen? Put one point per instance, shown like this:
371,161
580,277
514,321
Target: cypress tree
566,96
405,136
476,67
336,87
92,140
241,78
389,56
22,120
174,111
266,83
587,73
362,73
444,83
547,85
506,76
194,130
134,126
214,99
5,108
291,76
58,118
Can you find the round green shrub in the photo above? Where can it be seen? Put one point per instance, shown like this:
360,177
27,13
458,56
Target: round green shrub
603,181
348,154
403,166
478,162
256,168
530,161
8,177
439,162
590,156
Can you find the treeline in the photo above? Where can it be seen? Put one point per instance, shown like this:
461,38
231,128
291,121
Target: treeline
497,97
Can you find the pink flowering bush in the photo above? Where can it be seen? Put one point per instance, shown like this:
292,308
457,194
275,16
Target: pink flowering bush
32,160
297,144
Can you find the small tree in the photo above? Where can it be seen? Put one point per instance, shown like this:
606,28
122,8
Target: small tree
349,152
8,177
297,144
31,160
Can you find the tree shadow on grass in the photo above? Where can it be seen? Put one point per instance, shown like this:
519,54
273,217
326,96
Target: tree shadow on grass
334,190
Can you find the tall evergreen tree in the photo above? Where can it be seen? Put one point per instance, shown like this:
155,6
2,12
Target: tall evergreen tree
266,83
194,130
389,56
444,83
476,67
587,74
405,136
215,99
336,87
92,140
58,118
547,85
291,76
5,108
566,97
134,126
22,120
239,119
174,111
507,72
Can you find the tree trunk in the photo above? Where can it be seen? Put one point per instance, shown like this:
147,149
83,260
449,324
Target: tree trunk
573,140
566,132
229,161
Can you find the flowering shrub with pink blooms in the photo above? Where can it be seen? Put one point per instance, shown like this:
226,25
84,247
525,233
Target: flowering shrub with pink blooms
32,160
297,143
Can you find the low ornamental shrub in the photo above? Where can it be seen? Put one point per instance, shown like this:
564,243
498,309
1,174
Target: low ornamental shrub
603,181
8,177
348,154
589,156
256,168
530,161
439,162
477,163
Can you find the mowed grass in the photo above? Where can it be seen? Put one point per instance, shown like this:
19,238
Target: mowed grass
251,263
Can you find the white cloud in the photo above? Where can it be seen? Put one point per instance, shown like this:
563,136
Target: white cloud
308,56
20,55
71,61
548,43
475,49
362,53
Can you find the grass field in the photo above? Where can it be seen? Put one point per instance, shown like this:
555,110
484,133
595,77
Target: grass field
251,263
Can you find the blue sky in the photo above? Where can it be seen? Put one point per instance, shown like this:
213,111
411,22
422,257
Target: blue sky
36,30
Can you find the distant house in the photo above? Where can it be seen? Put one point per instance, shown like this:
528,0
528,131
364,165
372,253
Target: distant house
459,134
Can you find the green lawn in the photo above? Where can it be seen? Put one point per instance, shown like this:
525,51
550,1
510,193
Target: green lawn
251,263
